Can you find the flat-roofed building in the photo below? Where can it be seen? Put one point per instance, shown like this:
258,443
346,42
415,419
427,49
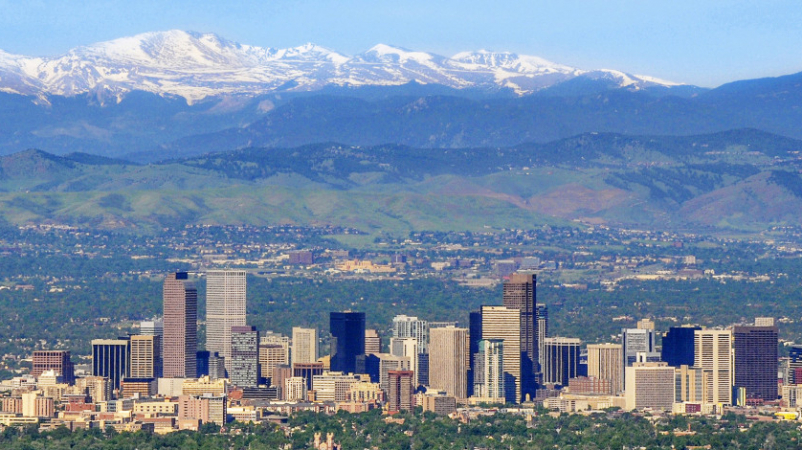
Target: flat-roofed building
244,370
110,359
305,347
57,360
180,326
605,362
225,308
562,360
448,360
755,360
650,385
401,392
713,352
333,386
146,358
502,323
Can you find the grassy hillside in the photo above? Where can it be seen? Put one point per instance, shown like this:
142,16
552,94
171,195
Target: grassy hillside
743,179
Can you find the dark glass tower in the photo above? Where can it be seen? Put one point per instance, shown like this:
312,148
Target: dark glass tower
678,346
474,336
755,360
110,358
347,340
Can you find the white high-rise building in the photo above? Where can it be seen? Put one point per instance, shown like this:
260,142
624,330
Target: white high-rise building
488,381
448,361
225,308
713,352
499,322
412,327
305,347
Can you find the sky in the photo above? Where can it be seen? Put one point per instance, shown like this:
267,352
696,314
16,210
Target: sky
701,42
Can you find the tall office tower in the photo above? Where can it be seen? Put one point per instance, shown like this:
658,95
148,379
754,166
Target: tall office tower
638,341
270,357
678,346
650,385
488,380
520,293
605,362
225,308
542,317
305,347
713,352
562,360
407,347
145,354
244,356
373,341
401,392
756,360
412,327
57,360
448,360
180,327
347,340
110,359
500,322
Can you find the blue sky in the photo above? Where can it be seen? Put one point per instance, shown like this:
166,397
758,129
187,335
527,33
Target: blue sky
704,42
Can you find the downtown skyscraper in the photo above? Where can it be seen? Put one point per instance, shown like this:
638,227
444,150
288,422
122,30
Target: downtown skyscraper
347,340
180,326
225,308
520,293
304,345
755,360
448,364
504,324
713,352
245,369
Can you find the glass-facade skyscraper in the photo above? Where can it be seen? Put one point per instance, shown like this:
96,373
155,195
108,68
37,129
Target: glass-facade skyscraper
347,340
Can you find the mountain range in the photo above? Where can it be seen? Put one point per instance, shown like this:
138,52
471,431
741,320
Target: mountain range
196,66
173,128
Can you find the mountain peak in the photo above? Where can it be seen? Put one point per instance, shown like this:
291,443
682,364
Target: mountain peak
392,54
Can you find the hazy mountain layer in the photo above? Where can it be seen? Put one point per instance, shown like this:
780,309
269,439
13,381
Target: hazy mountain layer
740,180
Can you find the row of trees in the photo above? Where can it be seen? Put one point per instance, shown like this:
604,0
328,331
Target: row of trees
425,430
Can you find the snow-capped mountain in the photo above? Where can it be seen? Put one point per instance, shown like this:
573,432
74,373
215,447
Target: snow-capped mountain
195,66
